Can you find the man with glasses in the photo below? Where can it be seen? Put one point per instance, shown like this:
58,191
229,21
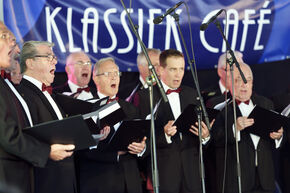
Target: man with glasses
38,63
103,170
256,153
18,151
78,69
216,93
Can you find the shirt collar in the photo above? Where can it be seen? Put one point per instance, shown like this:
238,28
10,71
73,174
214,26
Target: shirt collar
73,87
145,85
166,87
103,96
37,83
222,88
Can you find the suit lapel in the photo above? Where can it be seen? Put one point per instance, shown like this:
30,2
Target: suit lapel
41,96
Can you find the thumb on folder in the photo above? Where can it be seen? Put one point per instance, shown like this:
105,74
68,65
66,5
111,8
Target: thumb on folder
59,151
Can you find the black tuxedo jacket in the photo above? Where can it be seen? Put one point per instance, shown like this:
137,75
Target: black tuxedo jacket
211,92
99,170
265,168
177,162
127,90
18,152
57,176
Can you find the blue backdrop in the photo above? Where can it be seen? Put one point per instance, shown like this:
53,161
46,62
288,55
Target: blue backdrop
258,28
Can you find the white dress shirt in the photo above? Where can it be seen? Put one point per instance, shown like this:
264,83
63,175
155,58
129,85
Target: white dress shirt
117,125
21,100
245,111
83,95
38,84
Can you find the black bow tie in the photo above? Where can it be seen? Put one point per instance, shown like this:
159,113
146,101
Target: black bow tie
86,89
46,88
173,90
111,100
5,75
239,102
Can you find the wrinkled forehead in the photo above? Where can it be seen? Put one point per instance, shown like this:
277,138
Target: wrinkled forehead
108,66
3,28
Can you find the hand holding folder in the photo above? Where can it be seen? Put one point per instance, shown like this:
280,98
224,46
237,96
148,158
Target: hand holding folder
265,122
71,130
189,117
128,132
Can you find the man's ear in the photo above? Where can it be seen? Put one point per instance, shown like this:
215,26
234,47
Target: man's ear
67,69
95,79
29,63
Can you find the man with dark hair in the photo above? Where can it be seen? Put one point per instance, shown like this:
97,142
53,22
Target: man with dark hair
38,62
177,153
79,70
256,161
18,151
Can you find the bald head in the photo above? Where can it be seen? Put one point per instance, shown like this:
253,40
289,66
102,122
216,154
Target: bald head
78,68
223,69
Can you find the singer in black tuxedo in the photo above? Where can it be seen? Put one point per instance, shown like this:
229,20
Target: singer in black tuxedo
178,160
78,69
128,91
57,176
256,161
102,169
18,151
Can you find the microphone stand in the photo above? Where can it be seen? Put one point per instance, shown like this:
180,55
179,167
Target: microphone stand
155,178
176,17
202,174
154,170
217,23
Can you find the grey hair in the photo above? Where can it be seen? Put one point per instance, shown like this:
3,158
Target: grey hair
141,60
68,59
29,50
222,58
99,62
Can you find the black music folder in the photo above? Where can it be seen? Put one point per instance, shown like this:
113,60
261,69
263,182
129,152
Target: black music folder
265,122
128,132
72,106
71,130
112,118
107,114
189,117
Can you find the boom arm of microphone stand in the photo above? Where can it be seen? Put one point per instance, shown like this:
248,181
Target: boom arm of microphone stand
218,25
176,17
150,66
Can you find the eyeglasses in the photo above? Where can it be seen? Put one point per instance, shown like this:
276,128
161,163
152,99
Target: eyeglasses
110,74
49,57
239,80
8,36
81,63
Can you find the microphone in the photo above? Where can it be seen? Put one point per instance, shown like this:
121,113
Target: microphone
160,18
205,25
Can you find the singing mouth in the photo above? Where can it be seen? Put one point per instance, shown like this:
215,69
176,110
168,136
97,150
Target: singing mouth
52,71
85,75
